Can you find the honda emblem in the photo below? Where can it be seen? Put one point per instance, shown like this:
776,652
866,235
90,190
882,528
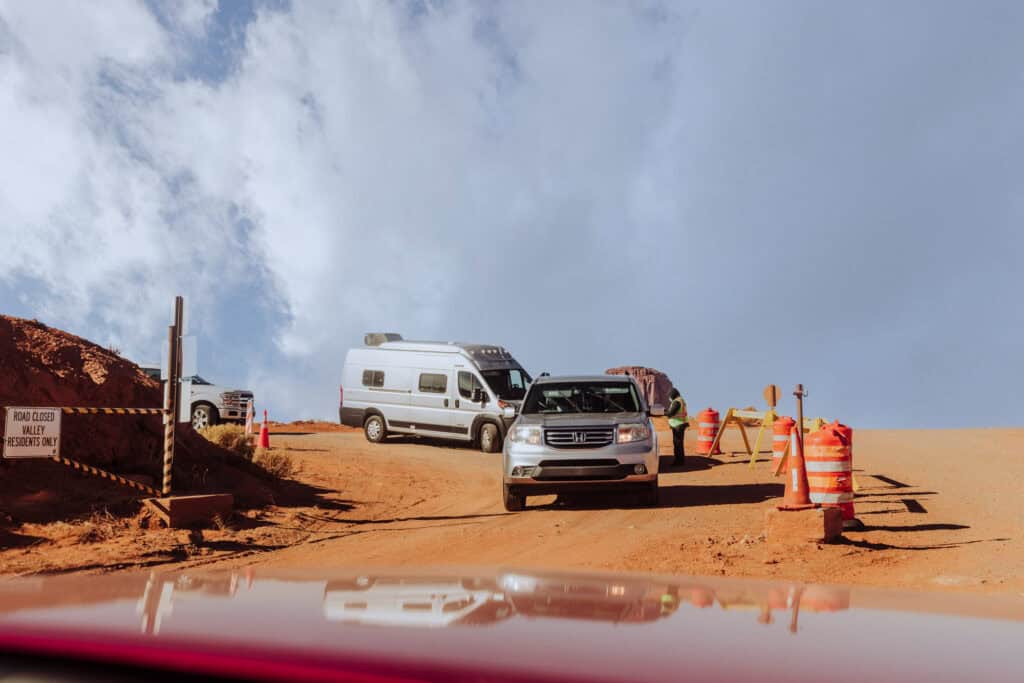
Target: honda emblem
579,437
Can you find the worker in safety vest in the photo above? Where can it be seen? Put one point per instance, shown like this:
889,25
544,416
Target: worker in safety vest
677,420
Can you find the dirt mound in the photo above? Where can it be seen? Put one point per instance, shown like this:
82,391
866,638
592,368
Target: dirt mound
43,366
654,384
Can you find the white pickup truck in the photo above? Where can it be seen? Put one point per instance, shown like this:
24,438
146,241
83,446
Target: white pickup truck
209,404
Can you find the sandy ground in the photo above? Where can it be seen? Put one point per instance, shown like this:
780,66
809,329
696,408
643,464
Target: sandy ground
943,510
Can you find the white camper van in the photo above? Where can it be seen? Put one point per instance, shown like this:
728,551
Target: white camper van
449,390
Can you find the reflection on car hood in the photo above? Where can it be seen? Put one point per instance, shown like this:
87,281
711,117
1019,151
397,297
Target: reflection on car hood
527,624
580,419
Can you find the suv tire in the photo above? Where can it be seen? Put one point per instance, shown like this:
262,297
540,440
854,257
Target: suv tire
375,429
490,440
514,502
204,415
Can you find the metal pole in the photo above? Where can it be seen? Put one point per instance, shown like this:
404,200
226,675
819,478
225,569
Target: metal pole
179,323
800,393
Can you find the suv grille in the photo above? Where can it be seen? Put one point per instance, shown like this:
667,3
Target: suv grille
580,437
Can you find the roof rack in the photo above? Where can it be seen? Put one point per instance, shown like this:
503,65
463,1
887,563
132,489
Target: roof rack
378,338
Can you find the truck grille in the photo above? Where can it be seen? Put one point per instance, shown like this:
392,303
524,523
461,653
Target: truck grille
236,400
580,437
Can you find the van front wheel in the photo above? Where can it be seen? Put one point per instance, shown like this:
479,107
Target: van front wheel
374,429
490,441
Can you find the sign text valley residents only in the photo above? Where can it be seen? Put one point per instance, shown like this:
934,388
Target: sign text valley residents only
32,432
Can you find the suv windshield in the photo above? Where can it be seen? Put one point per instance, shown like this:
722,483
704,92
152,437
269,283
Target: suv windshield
509,384
589,397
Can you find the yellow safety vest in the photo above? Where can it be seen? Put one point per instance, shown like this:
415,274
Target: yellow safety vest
679,418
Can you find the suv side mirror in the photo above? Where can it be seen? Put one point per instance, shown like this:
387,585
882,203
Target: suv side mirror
657,410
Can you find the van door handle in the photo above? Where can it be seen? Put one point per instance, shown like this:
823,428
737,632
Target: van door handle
446,403
456,403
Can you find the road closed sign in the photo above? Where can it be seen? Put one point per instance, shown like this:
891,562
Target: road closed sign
32,432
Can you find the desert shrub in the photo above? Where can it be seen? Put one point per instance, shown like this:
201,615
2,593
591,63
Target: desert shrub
276,463
230,437
101,526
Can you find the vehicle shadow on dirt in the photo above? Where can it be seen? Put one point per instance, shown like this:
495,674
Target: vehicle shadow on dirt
444,444
671,496
666,463
694,495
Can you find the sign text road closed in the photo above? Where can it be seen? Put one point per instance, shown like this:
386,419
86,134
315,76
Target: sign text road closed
32,432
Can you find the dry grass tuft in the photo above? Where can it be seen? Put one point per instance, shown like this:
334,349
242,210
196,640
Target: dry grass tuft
276,463
231,437
101,526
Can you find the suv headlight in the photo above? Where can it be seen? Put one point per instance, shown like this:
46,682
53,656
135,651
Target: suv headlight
525,434
632,432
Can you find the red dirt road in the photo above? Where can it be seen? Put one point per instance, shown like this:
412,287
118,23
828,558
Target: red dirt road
943,511
942,508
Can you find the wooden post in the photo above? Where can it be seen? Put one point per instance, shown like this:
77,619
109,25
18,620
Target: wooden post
171,393
170,399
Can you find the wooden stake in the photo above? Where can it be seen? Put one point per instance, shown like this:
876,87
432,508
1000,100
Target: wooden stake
172,392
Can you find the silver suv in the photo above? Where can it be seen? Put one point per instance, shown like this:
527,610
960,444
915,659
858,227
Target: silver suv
580,433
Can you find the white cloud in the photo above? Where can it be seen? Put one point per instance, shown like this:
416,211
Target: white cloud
385,160
515,172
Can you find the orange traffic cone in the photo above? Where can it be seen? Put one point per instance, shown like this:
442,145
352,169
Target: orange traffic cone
264,440
797,495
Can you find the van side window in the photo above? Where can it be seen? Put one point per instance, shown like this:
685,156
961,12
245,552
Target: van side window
467,383
431,383
373,378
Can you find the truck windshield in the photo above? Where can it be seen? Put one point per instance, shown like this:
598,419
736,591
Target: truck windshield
509,384
594,397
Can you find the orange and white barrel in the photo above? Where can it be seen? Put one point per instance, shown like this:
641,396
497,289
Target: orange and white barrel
780,439
849,519
827,457
707,430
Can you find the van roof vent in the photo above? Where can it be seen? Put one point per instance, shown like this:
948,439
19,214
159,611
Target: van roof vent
378,338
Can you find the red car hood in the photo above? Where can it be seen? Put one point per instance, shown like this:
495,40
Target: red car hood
511,625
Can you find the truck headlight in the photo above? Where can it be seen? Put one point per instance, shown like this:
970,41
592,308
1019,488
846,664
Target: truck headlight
632,432
525,434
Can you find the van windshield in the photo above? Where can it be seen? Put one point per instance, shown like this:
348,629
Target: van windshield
509,384
589,397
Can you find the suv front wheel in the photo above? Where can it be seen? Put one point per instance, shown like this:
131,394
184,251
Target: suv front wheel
514,502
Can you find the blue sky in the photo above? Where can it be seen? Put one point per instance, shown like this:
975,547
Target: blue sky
734,193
